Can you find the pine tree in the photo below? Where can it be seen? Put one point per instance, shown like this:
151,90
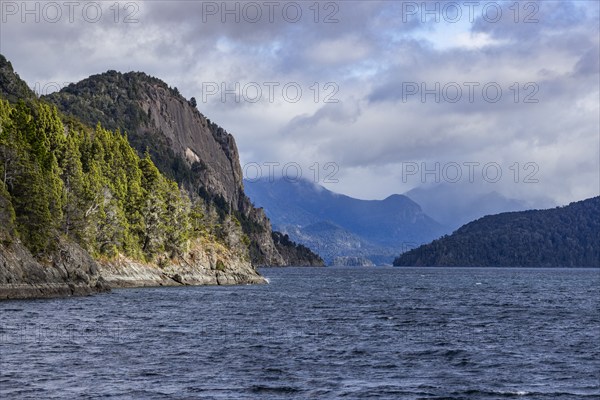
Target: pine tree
177,224
31,204
73,190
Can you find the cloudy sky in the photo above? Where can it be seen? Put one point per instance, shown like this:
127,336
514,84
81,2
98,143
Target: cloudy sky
368,98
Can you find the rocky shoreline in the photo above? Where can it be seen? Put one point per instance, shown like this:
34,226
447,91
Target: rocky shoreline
70,272
206,264
73,272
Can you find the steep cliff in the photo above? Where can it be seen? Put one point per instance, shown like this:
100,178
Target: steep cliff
183,143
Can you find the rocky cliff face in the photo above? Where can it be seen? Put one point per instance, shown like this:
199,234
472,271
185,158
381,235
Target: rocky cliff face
69,272
183,143
191,136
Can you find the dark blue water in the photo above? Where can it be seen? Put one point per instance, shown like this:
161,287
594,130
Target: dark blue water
316,333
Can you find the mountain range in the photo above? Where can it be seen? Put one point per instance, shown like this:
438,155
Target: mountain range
335,225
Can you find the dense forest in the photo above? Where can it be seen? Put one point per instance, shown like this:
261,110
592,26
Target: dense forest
58,177
298,254
561,237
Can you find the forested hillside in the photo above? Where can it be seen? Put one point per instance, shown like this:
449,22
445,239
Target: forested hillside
186,146
63,179
83,210
560,237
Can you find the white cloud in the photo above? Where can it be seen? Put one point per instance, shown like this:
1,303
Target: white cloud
346,49
471,41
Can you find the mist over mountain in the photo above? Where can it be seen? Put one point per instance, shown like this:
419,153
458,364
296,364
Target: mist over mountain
454,205
336,225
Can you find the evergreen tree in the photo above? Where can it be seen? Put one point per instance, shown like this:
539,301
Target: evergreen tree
178,227
73,190
31,204
89,185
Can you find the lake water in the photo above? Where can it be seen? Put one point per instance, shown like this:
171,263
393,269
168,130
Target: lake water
411,333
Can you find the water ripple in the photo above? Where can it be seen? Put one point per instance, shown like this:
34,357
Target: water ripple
315,333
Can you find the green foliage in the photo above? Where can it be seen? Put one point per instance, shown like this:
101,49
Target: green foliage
28,168
249,226
112,99
89,185
178,220
7,213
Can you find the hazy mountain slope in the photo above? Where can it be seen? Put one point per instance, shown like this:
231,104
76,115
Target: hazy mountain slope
560,237
338,225
453,205
331,241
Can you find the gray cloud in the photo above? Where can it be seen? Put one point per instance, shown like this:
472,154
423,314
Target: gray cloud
339,113
370,53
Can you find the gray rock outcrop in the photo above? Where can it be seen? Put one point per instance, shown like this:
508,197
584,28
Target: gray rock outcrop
70,272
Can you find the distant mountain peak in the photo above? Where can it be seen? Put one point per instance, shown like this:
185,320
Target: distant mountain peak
338,225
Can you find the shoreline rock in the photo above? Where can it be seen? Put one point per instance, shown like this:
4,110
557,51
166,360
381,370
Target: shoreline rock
207,263
70,272
73,272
